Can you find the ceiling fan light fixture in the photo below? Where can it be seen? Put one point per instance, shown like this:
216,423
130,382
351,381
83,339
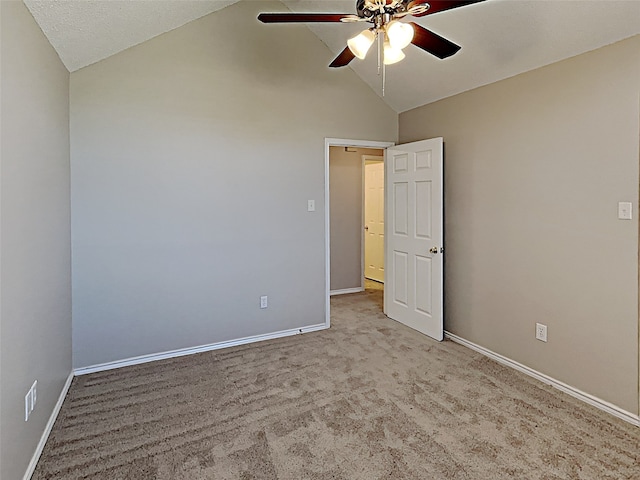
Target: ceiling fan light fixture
399,34
392,55
361,43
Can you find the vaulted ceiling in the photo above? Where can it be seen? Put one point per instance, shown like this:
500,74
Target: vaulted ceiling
499,38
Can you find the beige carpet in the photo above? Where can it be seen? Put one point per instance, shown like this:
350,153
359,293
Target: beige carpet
367,399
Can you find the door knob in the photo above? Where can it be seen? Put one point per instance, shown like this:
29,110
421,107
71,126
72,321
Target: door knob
433,250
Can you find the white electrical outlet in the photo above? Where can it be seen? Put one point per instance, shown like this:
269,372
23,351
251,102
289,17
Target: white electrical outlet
624,210
541,332
263,301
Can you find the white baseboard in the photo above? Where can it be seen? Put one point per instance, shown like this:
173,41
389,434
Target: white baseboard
191,350
47,429
344,291
568,389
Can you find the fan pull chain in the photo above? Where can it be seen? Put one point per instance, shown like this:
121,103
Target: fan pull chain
379,51
384,77
381,61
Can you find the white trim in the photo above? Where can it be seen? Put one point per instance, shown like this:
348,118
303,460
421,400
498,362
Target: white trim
327,241
344,291
568,389
337,142
47,429
199,349
363,222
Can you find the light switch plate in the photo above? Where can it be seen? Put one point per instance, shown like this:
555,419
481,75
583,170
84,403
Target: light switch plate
624,210
311,205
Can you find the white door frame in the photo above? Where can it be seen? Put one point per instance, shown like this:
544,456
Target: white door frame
337,142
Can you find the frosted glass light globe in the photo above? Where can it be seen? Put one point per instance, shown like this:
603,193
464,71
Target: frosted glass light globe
360,44
392,55
399,34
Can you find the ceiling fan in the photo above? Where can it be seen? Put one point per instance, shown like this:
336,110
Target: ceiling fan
392,34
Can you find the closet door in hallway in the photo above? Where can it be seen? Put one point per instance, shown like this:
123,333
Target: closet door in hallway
374,220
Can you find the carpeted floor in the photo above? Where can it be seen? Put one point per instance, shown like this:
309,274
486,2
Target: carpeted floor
367,399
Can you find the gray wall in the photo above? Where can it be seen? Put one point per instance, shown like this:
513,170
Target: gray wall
345,198
193,156
535,166
35,275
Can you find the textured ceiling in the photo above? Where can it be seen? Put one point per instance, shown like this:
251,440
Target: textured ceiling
87,31
499,38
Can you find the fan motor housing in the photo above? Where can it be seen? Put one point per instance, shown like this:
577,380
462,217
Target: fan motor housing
362,10
370,8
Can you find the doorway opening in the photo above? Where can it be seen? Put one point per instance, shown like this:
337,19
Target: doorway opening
345,205
413,236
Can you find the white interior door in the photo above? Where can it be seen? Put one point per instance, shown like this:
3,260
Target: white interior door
374,220
413,253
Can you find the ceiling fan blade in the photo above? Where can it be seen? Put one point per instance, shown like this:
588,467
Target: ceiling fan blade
432,42
302,17
343,59
436,6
